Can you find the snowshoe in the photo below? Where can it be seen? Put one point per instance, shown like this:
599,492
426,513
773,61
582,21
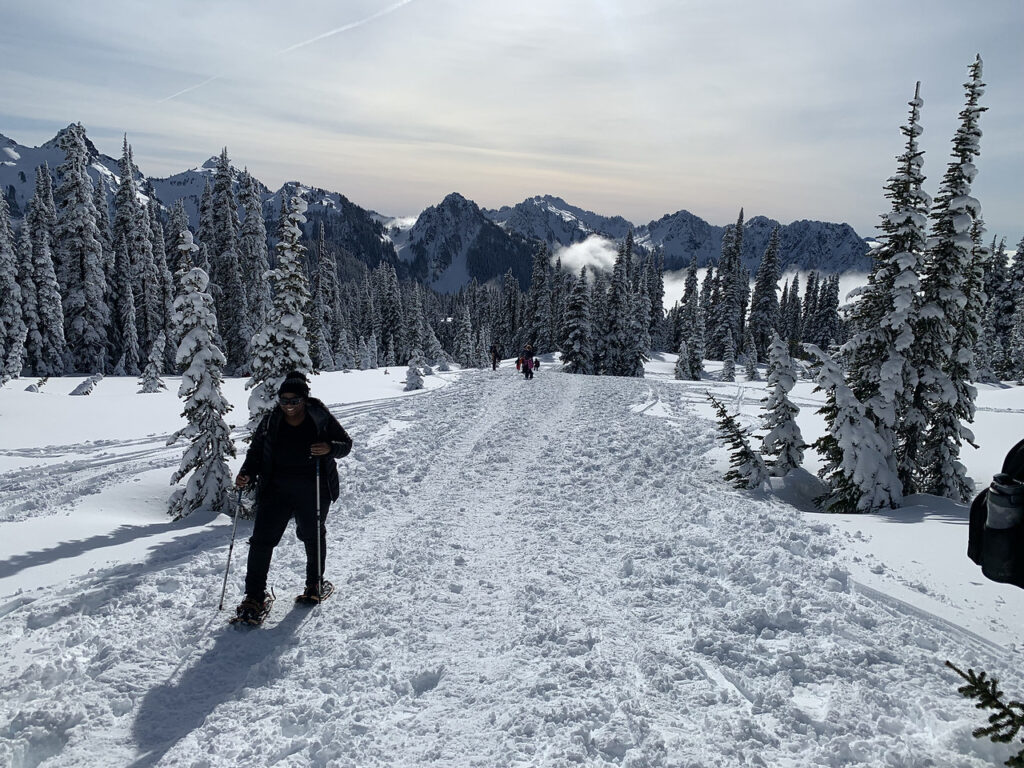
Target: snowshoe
313,596
252,611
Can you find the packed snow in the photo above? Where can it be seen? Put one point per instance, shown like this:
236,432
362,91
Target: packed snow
546,572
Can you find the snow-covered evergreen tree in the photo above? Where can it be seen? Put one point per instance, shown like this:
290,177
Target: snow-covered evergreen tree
750,355
729,358
151,381
124,323
1017,345
413,377
45,345
682,367
12,325
464,352
782,447
880,355
281,346
856,464
764,303
209,437
252,253
78,241
747,469
943,289
577,353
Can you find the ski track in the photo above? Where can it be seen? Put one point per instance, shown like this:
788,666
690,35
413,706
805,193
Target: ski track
528,573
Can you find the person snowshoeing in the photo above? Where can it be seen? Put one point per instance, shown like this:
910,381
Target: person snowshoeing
527,359
283,459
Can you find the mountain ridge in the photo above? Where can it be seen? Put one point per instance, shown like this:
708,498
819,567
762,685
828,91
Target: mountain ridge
448,244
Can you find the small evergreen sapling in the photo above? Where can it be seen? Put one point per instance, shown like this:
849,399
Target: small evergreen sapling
150,380
748,469
1007,718
413,378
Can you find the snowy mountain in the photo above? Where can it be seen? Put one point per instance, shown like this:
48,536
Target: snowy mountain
818,245
18,170
453,242
553,221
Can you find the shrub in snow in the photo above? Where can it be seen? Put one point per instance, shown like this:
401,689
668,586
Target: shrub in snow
202,364
413,379
682,369
87,386
748,469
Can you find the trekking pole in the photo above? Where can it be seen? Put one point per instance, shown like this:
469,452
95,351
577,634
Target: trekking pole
319,564
231,548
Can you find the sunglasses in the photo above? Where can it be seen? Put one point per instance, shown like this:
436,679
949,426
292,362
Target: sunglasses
290,400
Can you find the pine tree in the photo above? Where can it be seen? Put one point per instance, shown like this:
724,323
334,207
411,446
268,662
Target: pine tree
209,437
948,262
577,353
539,319
764,304
750,355
783,445
281,346
747,469
1017,345
124,317
151,381
856,464
45,344
682,370
464,347
77,239
253,255
413,378
879,354
12,325
729,358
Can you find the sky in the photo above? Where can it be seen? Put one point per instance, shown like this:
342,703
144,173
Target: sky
636,108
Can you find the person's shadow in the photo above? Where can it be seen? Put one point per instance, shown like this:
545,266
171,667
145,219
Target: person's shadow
170,712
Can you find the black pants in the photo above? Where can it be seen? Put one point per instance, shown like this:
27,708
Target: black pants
283,499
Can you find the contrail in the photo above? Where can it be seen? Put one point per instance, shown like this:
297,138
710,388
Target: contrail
353,25
383,12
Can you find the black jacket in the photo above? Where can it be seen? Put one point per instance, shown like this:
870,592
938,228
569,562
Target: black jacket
259,460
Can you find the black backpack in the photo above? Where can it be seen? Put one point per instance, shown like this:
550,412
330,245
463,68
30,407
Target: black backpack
996,538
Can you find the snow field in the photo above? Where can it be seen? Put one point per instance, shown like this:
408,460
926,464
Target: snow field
529,573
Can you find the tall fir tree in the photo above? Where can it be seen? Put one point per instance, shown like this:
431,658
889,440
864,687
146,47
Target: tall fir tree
253,254
947,264
209,438
281,346
879,356
12,324
764,303
783,446
45,345
577,352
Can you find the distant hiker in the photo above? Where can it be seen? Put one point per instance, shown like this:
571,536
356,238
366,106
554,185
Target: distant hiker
495,357
527,358
286,448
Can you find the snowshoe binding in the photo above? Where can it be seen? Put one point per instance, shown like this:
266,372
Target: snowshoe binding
314,596
252,611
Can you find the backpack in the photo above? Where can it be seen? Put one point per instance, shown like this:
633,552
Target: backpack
996,532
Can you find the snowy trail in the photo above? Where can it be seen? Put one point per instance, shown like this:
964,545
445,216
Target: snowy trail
529,573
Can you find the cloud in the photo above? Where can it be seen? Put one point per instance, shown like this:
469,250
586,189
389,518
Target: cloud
595,252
